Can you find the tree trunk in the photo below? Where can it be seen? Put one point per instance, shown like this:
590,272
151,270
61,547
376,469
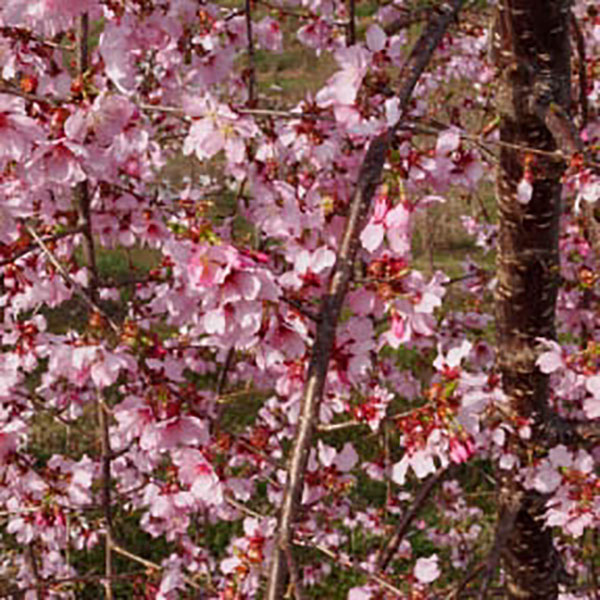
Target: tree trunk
532,51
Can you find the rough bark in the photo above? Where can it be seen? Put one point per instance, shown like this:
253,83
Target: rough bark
533,57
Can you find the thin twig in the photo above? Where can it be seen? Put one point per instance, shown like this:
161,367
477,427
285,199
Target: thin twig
225,371
47,240
251,66
504,528
406,20
284,114
309,314
6,88
81,292
592,567
83,201
331,427
457,592
33,564
44,586
386,555
344,562
294,574
106,458
243,508
148,563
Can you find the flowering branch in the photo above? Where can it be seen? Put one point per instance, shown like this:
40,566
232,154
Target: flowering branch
147,563
29,248
81,292
333,300
344,562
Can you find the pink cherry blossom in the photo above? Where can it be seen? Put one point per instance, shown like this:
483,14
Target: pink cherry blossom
343,86
427,569
17,130
216,128
592,405
269,34
195,471
524,191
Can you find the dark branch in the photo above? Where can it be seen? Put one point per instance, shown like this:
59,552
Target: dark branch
386,555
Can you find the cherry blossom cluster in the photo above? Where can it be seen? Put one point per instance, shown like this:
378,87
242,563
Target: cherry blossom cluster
166,400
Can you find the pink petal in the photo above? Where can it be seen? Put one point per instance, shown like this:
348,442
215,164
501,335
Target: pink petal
524,191
427,569
372,236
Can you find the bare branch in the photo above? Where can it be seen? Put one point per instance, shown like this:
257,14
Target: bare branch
503,529
351,31
301,308
294,574
251,70
386,555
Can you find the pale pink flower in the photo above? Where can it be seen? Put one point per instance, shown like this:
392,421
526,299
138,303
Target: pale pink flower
212,67
204,269
18,132
9,373
58,163
448,141
216,127
461,450
132,416
196,471
591,405
551,360
360,593
119,49
547,478
172,579
182,430
393,222
10,434
316,34
427,569
104,372
109,116
376,38
308,266
524,191
344,461
451,362
343,87
421,462
269,35
46,16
